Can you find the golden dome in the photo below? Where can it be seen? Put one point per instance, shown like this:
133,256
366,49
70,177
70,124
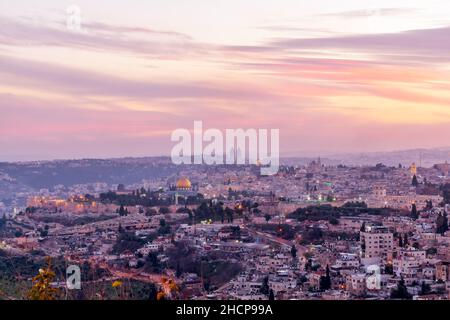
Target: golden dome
183,183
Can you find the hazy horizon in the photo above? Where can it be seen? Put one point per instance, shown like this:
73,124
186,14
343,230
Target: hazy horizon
311,155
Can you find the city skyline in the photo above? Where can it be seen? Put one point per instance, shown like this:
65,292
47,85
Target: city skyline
334,78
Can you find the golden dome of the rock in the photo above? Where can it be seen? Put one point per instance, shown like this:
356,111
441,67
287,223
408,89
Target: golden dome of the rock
183,183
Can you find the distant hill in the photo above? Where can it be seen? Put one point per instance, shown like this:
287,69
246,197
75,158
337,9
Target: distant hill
423,157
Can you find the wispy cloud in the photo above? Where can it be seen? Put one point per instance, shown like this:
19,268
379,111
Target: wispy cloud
84,82
98,37
370,12
425,45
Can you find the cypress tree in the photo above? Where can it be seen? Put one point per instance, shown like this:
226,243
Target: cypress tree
414,213
415,183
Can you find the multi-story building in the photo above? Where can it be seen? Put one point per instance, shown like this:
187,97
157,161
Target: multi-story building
377,241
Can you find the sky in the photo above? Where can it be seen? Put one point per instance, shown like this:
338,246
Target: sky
333,76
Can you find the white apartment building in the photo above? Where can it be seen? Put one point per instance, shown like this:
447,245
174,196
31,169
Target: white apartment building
377,241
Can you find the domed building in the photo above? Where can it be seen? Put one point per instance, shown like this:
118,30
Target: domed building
182,189
183,184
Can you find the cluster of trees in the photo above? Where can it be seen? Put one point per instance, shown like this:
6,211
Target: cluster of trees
127,241
152,263
315,213
3,222
164,228
265,289
331,213
214,211
75,220
445,189
401,292
148,199
214,268
122,211
284,231
415,212
414,181
442,223
312,236
325,281
403,241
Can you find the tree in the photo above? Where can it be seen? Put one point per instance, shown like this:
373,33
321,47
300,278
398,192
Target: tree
400,241
334,221
150,212
389,268
425,288
294,252
164,210
414,213
308,265
429,205
401,292
414,182
229,213
122,211
265,286
3,221
267,217
363,227
42,288
445,189
325,282
178,270
442,223
405,240
164,228
152,263
271,295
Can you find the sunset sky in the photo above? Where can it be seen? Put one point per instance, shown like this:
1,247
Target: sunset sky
333,76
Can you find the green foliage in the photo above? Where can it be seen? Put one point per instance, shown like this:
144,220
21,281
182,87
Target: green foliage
164,210
214,268
414,181
74,221
312,235
334,221
445,189
293,252
325,281
330,213
123,211
401,292
127,242
152,263
442,223
425,288
164,228
215,212
3,222
271,295
265,286
414,213
284,231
